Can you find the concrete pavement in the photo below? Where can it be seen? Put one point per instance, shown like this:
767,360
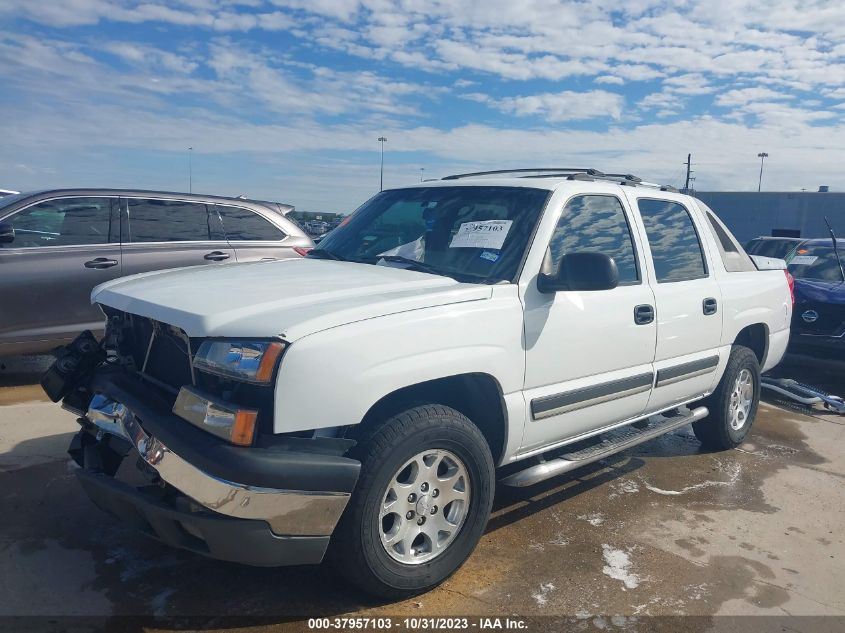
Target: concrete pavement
664,529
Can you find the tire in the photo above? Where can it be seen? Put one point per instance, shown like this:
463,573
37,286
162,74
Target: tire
733,406
395,459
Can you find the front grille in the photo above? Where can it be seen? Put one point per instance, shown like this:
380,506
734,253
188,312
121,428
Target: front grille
830,321
167,359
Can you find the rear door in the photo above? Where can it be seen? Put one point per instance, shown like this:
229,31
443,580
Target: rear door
253,236
687,301
163,233
62,248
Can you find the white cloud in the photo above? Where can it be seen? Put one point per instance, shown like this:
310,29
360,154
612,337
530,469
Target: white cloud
690,84
609,79
238,78
744,96
771,76
666,102
560,106
148,56
541,39
725,152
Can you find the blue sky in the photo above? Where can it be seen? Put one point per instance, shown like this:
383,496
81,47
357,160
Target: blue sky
285,99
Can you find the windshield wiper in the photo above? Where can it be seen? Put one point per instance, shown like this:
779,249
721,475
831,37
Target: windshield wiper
323,253
426,268
412,263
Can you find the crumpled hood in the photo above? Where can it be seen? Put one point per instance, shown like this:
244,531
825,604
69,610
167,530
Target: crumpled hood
819,291
290,298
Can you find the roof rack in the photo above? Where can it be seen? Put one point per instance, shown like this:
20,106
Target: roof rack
570,173
556,170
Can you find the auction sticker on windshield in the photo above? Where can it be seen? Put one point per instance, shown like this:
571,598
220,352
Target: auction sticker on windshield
488,234
803,260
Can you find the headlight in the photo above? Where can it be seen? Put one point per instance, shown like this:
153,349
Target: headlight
249,361
222,419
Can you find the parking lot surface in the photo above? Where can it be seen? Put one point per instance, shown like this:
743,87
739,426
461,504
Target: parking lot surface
663,529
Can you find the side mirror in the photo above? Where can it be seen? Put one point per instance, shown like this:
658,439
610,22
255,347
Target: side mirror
7,233
581,271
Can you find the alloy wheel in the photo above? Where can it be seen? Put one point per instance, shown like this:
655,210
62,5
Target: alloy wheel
424,506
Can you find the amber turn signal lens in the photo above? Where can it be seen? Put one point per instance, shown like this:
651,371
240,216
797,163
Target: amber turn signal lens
243,430
268,362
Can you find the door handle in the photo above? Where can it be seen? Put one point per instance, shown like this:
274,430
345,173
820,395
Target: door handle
100,263
216,256
643,314
709,306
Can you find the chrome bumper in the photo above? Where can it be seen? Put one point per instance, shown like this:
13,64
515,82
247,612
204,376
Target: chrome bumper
288,512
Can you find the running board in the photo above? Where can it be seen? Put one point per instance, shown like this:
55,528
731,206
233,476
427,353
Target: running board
612,443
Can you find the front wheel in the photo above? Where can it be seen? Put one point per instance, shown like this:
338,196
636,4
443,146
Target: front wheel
421,504
733,406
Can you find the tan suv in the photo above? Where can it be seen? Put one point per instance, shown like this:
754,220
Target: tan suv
55,246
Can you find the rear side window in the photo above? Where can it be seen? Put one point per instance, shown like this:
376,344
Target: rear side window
167,221
721,235
675,247
64,222
596,224
242,225
734,259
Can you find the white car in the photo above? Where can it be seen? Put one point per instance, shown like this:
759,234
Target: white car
486,329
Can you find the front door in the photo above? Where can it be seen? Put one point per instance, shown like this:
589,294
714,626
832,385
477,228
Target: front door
588,354
688,302
61,249
158,234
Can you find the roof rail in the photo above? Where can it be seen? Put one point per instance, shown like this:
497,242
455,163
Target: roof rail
570,173
554,170
628,177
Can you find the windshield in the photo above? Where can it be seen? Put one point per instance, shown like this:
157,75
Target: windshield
771,248
816,262
474,234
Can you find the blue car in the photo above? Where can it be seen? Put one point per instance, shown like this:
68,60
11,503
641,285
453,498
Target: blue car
818,319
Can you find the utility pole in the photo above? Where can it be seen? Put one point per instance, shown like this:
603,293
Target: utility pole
422,169
689,165
382,140
762,156
190,170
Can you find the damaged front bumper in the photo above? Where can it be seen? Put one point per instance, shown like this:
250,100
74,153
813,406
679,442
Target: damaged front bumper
265,506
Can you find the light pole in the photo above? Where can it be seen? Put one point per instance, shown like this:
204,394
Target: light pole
762,156
382,140
190,170
422,169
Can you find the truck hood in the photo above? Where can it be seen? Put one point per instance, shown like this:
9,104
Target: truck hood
290,298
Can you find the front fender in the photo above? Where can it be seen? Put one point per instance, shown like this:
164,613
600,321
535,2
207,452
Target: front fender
333,377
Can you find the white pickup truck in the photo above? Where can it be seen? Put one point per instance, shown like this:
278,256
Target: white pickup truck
362,402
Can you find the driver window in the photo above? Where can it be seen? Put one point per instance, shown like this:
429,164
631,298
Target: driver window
595,224
64,222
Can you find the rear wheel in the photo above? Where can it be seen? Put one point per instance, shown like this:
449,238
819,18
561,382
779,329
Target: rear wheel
421,504
733,406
